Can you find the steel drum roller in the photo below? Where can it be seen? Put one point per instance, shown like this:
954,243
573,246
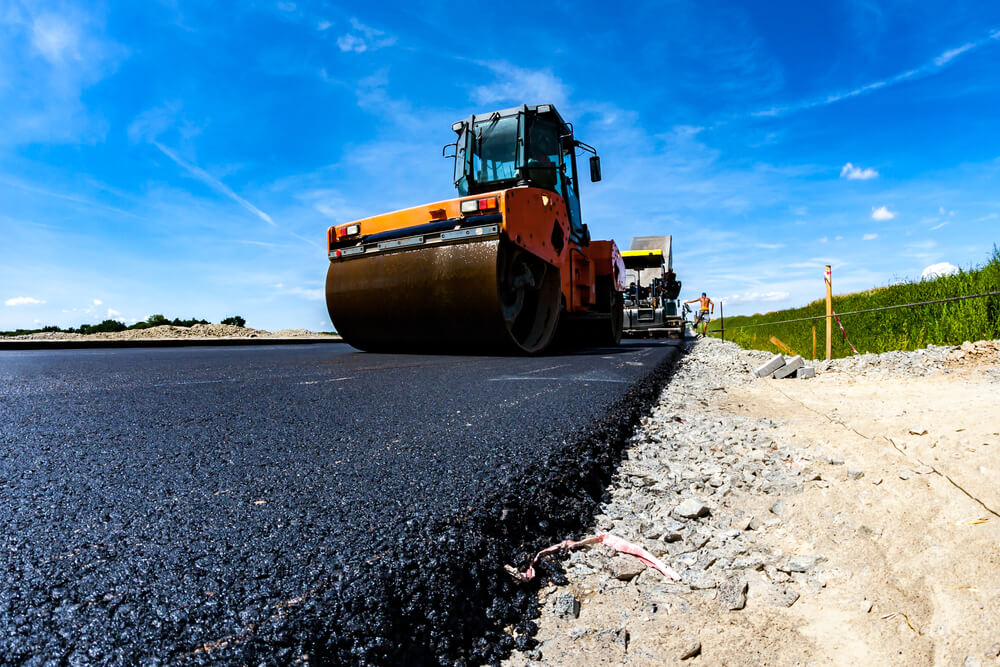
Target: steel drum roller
485,293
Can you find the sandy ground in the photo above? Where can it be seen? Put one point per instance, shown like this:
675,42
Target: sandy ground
917,536
897,500
172,332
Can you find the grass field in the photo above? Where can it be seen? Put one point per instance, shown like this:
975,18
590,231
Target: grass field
898,329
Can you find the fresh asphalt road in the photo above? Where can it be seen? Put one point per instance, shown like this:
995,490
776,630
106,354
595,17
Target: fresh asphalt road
160,503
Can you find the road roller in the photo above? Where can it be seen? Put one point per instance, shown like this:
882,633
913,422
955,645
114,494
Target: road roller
507,265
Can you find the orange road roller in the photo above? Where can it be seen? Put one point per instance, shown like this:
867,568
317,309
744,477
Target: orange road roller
508,265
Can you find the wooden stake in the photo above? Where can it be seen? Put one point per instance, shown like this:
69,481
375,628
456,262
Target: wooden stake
829,314
781,346
814,341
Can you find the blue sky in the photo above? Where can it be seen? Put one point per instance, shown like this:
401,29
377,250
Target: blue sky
187,157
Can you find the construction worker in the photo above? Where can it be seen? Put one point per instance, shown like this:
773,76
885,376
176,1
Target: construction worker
704,306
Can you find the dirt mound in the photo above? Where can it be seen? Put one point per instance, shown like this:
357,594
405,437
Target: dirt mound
167,332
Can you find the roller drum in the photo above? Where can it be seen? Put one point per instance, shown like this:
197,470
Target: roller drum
483,295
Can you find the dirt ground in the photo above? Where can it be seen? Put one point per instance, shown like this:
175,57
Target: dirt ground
900,501
918,536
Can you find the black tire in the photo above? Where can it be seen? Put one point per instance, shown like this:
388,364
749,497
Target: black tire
617,310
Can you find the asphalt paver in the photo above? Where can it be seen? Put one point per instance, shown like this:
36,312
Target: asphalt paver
297,504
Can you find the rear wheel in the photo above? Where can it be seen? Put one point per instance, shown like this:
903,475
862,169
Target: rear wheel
530,293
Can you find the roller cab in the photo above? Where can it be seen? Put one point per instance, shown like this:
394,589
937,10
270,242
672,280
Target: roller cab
504,266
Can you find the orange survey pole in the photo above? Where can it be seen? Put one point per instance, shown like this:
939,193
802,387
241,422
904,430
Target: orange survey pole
829,314
814,343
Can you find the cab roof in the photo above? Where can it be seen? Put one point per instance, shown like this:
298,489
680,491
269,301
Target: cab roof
537,109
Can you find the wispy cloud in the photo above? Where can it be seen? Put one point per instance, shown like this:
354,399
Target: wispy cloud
869,237
512,83
950,54
755,297
22,301
855,173
990,216
939,226
213,183
316,294
363,38
927,69
882,213
770,246
48,58
98,302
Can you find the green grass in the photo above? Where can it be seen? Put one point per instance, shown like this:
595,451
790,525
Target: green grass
899,329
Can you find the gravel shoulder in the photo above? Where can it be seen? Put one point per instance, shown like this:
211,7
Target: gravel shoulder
851,517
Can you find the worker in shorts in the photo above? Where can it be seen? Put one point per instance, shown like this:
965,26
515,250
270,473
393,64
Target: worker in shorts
704,306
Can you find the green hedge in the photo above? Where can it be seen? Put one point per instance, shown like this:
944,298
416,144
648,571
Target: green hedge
898,329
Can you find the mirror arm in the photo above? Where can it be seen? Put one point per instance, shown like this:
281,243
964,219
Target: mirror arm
586,147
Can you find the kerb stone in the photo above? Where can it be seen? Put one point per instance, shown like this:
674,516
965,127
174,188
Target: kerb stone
776,362
791,365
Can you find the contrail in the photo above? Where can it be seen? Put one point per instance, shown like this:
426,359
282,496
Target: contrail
214,183
928,68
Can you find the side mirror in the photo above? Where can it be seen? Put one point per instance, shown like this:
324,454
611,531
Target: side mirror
444,150
595,169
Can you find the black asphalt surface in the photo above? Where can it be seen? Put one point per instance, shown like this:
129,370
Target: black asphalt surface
307,504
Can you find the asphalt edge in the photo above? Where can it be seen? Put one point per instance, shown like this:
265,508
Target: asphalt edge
159,342
458,612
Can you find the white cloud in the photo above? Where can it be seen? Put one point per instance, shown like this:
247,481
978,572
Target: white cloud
991,216
151,123
98,302
770,246
286,6
22,301
755,297
824,239
278,285
869,237
854,173
55,38
323,25
317,294
363,38
938,226
882,213
351,42
48,58
516,84
938,270
113,313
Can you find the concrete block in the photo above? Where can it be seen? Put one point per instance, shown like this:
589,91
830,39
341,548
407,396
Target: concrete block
806,372
776,362
791,365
